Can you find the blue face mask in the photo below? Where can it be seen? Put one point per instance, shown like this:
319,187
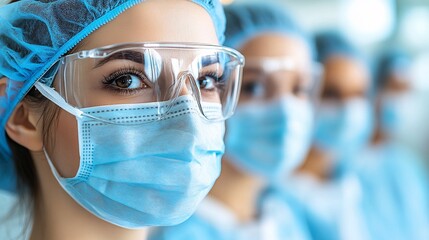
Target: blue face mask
399,114
342,128
272,139
152,174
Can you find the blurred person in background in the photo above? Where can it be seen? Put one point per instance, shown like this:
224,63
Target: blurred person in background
343,126
395,182
393,95
268,137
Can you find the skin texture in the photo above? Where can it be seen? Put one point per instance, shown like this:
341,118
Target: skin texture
56,215
236,189
344,78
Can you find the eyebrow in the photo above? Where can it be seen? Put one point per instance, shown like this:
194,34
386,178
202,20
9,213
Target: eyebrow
133,56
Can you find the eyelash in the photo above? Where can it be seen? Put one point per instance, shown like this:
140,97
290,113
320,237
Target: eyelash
219,80
210,73
108,80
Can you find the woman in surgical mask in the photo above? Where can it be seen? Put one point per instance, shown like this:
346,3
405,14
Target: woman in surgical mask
268,136
113,112
343,125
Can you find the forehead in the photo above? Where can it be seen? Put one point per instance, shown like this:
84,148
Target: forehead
275,45
345,73
156,21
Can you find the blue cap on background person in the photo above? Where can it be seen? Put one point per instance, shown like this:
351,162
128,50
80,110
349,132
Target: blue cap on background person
331,43
248,20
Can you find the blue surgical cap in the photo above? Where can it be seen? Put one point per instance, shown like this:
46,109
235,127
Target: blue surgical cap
330,44
35,34
248,20
390,61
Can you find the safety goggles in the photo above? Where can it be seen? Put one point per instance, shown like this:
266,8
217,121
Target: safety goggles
266,78
136,73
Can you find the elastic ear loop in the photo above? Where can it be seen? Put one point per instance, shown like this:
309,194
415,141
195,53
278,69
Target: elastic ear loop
56,98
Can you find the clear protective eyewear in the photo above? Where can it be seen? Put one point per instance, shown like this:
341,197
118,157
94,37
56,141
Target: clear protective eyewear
135,73
265,78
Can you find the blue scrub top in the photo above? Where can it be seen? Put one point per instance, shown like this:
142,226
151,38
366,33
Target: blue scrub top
213,221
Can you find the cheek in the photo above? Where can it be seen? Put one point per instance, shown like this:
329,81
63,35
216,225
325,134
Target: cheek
65,150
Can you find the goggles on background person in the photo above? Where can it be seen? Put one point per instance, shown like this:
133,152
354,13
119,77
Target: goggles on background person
266,78
136,73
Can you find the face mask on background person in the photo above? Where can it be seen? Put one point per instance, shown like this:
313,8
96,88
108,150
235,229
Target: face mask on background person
343,127
399,112
270,139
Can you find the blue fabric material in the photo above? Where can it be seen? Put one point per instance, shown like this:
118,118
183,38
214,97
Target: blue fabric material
392,202
395,203
160,186
192,229
274,205
13,222
270,139
288,210
34,34
343,128
248,20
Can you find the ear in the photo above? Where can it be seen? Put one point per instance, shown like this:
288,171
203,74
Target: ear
23,125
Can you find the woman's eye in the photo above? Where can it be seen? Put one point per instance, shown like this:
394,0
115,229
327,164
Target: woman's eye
128,81
207,83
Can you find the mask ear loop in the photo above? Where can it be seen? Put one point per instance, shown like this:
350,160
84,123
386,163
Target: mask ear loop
56,98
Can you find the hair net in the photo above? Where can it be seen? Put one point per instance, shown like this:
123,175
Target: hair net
330,44
247,20
35,34
389,62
